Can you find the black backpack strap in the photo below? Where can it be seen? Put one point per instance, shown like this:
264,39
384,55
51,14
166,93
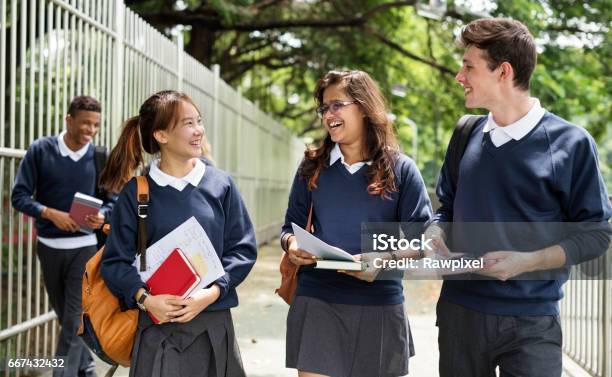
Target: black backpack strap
100,157
458,143
111,371
142,196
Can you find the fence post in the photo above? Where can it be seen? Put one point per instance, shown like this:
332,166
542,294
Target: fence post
215,141
239,145
118,69
607,316
181,57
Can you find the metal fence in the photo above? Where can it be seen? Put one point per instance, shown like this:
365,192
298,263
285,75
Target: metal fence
52,50
586,317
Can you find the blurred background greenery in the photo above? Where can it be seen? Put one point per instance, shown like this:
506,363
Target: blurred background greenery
275,50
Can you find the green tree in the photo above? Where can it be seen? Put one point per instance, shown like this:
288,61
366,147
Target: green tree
277,49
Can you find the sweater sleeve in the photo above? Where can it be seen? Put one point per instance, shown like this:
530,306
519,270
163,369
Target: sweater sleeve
120,275
239,245
25,184
107,207
584,201
414,207
298,205
445,190
414,203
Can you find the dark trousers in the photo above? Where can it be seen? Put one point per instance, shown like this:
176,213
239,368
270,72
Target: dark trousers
473,344
63,275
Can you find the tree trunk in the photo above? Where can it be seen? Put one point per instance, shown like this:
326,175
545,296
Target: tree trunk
201,44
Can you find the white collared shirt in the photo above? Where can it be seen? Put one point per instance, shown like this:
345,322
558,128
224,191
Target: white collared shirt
66,243
336,154
193,177
517,130
65,151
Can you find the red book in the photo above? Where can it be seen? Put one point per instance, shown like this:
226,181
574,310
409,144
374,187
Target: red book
83,206
175,276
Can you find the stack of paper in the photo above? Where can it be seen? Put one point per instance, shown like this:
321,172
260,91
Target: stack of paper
193,241
328,257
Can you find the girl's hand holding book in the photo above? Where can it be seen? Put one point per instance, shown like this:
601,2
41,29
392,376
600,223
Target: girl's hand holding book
193,305
161,305
370,272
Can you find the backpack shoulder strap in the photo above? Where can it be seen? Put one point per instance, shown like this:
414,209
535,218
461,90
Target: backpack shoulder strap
142,196
100,157
458,142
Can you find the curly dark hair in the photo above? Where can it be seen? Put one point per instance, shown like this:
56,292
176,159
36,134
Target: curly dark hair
84,103
381,145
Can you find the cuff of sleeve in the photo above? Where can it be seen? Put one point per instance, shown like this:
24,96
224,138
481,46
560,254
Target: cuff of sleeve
129,302
571,252
445,226
39,209
223,283
283,240
105,212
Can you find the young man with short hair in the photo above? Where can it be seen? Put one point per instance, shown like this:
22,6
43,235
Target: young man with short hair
525,165
52,171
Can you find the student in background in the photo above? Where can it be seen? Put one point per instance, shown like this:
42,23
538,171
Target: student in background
347,324
52,171
522,164
195,336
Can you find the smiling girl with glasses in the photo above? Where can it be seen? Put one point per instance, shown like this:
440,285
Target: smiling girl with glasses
358,175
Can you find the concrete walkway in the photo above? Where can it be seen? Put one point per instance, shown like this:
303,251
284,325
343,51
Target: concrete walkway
260,321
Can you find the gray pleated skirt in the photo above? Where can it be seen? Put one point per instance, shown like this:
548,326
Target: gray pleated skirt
203,347
348,340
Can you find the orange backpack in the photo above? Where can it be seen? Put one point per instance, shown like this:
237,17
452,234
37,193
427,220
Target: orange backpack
105,328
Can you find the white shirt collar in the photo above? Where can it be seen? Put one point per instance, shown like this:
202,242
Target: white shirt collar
65,151
336,154
193,177
521,127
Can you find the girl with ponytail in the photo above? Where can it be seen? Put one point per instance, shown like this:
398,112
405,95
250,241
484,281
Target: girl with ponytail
195,336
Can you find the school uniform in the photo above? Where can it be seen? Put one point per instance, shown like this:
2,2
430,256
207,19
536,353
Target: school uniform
205,346
530,176
49,176
339,325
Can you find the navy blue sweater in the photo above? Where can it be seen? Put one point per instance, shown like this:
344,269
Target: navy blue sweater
341,205
218,207
549,176
46,178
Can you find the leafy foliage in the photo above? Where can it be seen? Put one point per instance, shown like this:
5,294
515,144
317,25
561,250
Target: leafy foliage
277,49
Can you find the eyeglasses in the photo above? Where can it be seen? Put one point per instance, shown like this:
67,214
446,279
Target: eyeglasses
334,107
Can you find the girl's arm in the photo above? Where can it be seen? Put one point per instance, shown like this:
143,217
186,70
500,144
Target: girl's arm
240,247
